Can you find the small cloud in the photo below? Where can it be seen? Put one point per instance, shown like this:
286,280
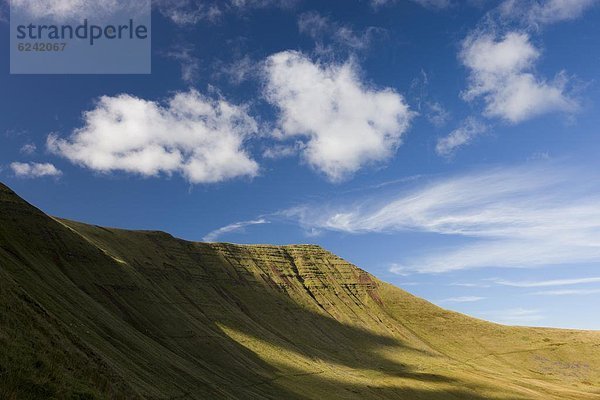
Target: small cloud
463,135
540,155
554,282
330,35
462,299
28,149
34,170
437,114
240,70
280,151
566,292
515,316
190,12
401,270
470,285
235,227
190,65
431,4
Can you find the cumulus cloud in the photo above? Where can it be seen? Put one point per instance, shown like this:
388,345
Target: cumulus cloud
527,216
345,123
463,135
34,170
193,135
500,73
235,227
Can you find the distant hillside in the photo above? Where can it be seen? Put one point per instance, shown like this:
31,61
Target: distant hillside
97,313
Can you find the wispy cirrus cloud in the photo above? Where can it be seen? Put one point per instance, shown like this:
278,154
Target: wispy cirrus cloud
526,216
567,292
514,316
235,227
461,136
462,299
546,283
190,65
189,12
432,4
330,35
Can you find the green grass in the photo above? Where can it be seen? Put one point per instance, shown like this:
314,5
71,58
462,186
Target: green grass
90,313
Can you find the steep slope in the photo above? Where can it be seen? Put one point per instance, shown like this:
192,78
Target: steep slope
89,312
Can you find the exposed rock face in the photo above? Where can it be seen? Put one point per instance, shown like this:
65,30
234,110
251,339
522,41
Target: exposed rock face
91,312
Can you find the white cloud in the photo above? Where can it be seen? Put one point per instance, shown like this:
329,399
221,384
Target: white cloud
189,12
34,170
63,10
463,135
193,135
555,282
515,316
567,292
281,151
434,4
500,73
190,65
462,299
543,12
240,70
528,216
235,227
346,124
470,285
28,149
330,35
437,114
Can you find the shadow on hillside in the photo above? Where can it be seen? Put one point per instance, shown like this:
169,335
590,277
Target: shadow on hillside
223,296
160,318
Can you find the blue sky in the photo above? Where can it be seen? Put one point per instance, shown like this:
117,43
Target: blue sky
447,147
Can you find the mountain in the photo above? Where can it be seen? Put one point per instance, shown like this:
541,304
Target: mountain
91,313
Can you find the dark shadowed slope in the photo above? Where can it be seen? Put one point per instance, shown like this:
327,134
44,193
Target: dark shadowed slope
89,312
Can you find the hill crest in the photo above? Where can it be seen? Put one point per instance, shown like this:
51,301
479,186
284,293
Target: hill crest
111,313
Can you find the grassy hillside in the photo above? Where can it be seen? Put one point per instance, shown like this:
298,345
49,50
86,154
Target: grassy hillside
88,312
